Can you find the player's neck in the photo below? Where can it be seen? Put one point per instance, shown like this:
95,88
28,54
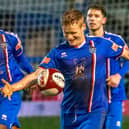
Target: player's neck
99,32
79,46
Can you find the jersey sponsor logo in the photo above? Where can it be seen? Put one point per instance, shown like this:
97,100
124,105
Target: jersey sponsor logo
80,71
92,49
46,60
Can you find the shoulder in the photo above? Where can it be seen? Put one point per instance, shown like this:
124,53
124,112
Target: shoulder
62,45
101,42
59,48
98,39
112,34
10,36
115,38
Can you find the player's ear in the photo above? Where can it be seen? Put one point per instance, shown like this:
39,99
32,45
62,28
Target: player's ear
84,26
104,20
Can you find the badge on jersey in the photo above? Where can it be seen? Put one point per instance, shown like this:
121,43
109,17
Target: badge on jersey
46,60
92,49
3,45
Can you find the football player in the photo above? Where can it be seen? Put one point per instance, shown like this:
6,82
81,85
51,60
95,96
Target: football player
96,18
12,60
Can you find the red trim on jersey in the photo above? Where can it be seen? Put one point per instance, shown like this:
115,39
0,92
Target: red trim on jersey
19,44
93,77
108,74
6,58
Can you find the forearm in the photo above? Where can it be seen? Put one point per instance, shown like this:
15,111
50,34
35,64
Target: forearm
27,81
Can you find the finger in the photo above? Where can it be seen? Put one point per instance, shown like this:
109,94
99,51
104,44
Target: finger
9,97
5,95
108,79
108,82
111,84
5,82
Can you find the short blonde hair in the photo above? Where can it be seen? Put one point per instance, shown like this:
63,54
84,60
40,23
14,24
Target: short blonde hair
72,16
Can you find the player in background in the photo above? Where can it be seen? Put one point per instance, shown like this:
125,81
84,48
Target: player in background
96,18
12,60
82,60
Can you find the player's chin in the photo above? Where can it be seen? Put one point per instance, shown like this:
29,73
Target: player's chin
73,44
93,27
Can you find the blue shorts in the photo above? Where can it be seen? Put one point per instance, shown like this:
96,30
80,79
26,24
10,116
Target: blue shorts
114,116
92,120
9,110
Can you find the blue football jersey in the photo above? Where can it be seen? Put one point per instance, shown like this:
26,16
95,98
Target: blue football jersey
12,59
84,69
114,66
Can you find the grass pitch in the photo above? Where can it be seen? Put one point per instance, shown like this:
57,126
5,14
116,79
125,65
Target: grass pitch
52,123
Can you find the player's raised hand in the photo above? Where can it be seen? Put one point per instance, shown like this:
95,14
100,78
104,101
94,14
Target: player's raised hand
7,90
113,80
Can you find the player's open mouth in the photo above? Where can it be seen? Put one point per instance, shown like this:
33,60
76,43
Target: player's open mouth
92,24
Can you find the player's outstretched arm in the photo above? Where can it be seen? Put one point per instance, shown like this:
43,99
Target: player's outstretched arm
27,81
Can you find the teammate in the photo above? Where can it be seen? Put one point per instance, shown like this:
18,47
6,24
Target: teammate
12,60
96,18
82,60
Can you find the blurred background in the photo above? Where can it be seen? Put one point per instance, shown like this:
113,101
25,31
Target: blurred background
37,22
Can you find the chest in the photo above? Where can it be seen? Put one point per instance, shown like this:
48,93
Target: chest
83,57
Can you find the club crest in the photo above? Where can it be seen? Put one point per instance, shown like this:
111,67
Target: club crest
3,45
92,49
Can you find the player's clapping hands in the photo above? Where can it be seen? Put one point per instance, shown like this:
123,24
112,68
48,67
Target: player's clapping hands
7,90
